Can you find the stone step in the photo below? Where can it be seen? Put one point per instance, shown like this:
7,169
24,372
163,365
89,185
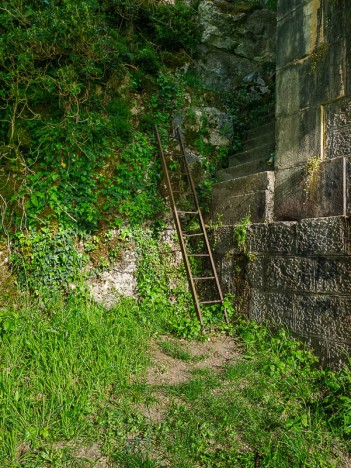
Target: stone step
263,151
269,127
242,170
267,138
251,183
232,200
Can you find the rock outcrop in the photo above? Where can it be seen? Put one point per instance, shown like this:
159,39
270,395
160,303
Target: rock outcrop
237,40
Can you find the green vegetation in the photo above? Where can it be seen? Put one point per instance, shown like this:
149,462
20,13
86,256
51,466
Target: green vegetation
312,175
72,391
65,376
267,406
45,261
81,86
240,232
175,350
73,77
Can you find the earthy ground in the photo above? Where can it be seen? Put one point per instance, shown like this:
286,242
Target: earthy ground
213,354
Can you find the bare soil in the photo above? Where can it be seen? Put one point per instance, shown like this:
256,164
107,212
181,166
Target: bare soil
212,354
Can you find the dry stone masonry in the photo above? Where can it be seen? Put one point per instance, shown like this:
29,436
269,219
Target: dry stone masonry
296,267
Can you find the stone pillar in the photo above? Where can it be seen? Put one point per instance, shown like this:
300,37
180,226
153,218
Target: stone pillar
313,109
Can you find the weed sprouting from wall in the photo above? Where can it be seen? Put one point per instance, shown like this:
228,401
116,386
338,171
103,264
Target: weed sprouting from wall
240,232
312,174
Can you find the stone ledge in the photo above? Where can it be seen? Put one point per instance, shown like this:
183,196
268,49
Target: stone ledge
233,209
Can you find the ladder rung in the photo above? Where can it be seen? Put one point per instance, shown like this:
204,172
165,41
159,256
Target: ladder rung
211,302
198,255
187,212
194,235
204,277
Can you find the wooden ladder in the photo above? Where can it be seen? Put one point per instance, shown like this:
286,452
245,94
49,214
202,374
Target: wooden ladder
184,236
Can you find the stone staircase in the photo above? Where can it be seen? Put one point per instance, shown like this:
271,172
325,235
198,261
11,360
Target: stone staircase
247,185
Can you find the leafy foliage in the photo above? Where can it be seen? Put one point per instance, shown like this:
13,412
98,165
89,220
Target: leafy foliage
68,73
47,261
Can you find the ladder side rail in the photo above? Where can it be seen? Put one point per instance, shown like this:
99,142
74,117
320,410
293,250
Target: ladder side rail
202,224
178,227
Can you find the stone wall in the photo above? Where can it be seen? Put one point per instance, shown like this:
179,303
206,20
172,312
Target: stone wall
313,108
295,274
295,269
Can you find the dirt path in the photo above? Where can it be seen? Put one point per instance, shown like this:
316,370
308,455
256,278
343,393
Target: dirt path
167,369
212,354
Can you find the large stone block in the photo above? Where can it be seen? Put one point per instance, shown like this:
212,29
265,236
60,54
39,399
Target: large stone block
234,208
282,237
318,78
338,142
258,308
348,186
333,275
338,128
324,236
301,194
290,273
298,32
337,114
298,138
288,84
280,311
326,317
256,269
257,238
303,25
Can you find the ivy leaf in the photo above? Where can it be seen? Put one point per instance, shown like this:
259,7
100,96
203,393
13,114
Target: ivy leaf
34,200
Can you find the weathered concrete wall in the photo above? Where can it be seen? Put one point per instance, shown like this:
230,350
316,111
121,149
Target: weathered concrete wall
298,274
313,108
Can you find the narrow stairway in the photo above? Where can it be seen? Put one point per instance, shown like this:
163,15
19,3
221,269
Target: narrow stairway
247,185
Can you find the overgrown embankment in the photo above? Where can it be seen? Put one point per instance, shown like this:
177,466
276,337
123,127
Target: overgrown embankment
75,78
82,86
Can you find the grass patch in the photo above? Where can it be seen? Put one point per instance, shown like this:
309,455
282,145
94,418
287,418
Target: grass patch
72,393
274,406
175,350
65,376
